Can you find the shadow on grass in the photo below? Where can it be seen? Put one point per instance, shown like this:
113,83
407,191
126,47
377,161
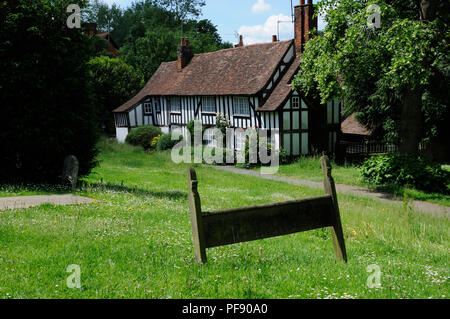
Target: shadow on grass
8,190
135,190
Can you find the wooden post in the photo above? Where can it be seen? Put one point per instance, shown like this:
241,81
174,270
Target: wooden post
336,229
196,217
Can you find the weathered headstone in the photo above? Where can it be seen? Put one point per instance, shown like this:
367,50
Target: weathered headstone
70,171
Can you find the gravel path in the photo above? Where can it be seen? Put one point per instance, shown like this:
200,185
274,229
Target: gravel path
426,207
30,201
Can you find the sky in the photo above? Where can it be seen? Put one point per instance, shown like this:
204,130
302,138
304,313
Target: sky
255,20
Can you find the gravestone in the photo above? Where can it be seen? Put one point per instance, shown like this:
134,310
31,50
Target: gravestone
70,171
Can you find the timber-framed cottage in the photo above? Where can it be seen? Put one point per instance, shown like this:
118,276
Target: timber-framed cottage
250,85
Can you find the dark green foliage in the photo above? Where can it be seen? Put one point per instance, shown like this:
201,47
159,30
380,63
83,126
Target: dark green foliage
114,82
166,142
143,136
377,72
401,170
45,95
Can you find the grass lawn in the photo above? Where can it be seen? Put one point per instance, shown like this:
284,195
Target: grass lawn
135,241
309,168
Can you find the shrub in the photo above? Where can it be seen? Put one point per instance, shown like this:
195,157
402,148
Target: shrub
155,141
165,142
143,136
402,170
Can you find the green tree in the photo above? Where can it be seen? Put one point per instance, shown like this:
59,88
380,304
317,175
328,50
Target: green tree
114,82
45,95
150,35
183,8
388,76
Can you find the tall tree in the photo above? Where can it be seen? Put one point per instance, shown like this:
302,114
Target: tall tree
45,94
114,82
385,75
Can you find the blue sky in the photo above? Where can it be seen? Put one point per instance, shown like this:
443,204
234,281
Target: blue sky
256,20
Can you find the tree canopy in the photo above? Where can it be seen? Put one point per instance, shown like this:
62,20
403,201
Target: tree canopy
395,78
45,94
149,31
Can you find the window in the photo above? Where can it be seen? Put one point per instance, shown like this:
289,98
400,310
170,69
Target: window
148,108
157,107
241,106
175,105
209,104
295,102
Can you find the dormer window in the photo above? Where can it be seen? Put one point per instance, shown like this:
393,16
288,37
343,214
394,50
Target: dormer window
208,104
148,109
241,106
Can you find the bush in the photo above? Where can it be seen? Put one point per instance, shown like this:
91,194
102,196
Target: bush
143,136
165,142
401,170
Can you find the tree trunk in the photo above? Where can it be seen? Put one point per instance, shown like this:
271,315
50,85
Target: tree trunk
411,122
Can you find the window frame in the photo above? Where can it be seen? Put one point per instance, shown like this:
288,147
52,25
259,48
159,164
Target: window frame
145,105
241,98
213,98
178,111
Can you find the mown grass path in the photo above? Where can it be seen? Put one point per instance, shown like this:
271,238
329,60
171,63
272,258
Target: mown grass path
434,209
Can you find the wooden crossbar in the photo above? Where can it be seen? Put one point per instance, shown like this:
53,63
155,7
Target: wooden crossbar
231,226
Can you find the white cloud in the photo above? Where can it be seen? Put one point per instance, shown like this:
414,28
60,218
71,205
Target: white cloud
261,6
263,33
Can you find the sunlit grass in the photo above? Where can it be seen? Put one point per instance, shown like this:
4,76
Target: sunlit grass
308,168
135,241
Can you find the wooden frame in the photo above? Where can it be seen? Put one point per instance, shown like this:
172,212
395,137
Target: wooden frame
263,221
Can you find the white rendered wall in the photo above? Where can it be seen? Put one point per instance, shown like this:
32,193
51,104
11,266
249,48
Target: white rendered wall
121,134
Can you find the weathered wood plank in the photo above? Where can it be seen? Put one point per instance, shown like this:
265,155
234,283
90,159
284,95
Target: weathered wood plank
264,221
196,217
336,228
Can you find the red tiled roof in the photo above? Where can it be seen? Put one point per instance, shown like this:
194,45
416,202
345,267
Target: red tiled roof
282,90
237,71
351,126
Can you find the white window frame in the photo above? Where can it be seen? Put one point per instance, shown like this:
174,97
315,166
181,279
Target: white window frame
241,106
209,104
176,99
296,102
148,108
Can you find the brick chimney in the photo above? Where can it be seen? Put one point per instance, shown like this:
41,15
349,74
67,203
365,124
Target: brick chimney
304,23
241,42
274,38
185,54
90,29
